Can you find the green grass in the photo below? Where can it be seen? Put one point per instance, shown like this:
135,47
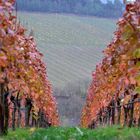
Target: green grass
61,133
72,45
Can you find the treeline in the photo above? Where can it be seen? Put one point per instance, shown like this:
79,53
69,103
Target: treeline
80,7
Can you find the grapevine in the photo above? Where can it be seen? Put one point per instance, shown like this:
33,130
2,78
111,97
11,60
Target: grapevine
25,91
116,81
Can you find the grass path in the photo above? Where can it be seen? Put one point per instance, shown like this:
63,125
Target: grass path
61,133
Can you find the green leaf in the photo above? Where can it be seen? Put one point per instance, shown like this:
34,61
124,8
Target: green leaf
127,33
138,78
138,64
137,90
136,53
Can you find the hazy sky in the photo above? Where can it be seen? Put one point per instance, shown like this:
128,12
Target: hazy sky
113,0
110,0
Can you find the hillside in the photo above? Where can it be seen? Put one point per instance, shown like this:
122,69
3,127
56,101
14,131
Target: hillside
71,45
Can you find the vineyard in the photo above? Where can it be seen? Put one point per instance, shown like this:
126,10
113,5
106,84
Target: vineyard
25,92
26,95
114,94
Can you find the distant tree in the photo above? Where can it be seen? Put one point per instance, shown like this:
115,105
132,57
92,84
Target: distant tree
84,7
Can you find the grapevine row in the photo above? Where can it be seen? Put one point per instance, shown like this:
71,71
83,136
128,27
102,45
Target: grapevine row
25,92
116,81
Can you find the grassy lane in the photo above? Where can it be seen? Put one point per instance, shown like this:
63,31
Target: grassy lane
109,133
